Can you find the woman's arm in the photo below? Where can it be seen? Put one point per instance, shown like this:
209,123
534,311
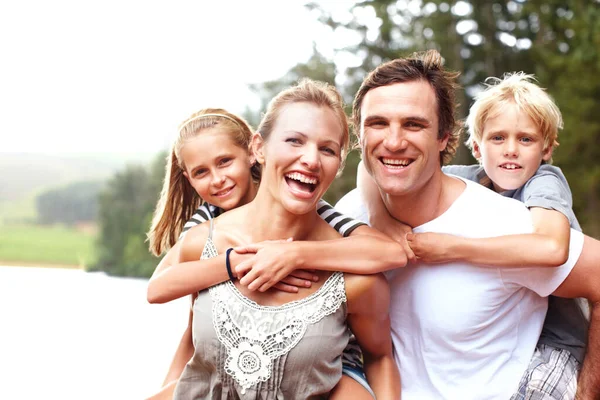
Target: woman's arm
368,318
548,246
183,354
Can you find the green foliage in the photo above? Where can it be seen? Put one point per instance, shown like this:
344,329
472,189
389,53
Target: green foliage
125,212
76,202
51,245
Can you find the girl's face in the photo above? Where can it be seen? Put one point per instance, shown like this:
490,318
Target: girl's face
301,156
511,148
218,169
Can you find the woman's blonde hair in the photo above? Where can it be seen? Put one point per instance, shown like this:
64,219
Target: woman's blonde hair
178,199
520,89
308,91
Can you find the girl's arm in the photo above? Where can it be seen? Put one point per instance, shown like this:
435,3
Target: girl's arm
547,246
368,318
178,276
366,251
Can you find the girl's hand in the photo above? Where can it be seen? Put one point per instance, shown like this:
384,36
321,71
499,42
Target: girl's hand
273,265
432,247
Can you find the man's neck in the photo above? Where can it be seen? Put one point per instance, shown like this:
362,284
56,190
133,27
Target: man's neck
427,203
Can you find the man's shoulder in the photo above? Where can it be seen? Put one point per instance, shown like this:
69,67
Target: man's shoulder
353,206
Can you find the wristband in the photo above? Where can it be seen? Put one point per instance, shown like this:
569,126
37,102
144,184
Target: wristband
228,264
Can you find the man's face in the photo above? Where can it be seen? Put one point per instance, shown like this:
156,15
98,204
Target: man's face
398,134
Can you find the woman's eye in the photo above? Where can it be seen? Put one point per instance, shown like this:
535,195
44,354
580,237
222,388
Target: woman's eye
329,150
293,140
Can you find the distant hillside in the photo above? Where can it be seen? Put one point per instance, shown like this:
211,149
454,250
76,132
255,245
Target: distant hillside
23,174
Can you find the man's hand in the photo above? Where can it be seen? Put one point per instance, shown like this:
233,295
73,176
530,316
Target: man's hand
273,265
432,247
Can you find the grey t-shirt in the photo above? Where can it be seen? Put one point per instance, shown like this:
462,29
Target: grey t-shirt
565,326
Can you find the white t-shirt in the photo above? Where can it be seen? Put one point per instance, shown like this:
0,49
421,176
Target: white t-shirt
462,331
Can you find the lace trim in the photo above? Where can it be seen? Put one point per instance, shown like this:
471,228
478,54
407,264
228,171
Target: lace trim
254,335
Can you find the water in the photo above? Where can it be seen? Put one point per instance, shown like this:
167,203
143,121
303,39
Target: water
67,334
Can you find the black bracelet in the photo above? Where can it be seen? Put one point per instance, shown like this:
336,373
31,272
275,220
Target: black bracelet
228,264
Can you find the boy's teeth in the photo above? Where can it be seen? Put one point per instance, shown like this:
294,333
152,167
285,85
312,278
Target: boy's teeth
302,178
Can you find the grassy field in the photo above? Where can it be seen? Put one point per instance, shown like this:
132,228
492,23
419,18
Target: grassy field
46,245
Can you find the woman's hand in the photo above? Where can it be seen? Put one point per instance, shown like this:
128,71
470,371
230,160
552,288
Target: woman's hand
273,265
432,247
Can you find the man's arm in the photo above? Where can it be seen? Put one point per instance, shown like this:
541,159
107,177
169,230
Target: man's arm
584,281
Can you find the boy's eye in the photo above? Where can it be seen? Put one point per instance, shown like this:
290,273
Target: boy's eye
526,139
496,138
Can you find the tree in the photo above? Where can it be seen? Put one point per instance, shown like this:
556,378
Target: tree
125,212
76,202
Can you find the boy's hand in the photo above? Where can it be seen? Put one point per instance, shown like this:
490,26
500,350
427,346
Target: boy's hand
432,247
396,230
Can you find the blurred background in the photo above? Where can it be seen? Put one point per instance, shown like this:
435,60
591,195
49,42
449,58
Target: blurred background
91,95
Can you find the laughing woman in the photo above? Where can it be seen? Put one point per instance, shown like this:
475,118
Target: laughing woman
274,344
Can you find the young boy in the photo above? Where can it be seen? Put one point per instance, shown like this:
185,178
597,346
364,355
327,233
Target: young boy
513,127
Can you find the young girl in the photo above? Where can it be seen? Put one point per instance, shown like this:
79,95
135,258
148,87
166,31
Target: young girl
302,153
513,127
211,156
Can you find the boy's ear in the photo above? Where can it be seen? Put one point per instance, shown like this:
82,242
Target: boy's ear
547,154
476,151
258,148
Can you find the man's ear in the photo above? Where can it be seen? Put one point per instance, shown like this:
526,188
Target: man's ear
258,148
547,154
476,150
443,142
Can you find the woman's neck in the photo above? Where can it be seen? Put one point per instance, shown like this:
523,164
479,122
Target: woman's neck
269,220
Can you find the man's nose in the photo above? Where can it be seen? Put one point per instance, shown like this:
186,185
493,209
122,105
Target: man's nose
395,139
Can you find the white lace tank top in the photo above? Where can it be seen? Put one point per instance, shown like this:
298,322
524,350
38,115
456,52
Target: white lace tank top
247,351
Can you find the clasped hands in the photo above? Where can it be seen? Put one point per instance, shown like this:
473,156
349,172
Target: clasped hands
272,263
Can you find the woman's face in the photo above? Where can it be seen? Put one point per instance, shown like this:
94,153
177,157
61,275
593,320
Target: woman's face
301,156
218,169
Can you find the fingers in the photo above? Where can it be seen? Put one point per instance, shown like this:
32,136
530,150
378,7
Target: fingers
297,282
251,248
305,275
243,268
285,287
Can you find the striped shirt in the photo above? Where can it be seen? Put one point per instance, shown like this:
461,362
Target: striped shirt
338,221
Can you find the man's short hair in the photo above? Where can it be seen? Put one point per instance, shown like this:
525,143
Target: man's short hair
521,90
426,66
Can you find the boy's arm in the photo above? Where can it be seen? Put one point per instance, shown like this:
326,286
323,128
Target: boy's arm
584,281
379,217
547,246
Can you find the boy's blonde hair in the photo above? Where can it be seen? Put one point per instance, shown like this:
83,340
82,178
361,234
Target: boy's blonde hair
520,89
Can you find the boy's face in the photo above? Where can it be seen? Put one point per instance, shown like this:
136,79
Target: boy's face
511,148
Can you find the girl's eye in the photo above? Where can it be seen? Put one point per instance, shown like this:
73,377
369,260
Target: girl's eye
225,161
200,172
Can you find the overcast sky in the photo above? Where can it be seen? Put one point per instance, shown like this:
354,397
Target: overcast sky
119,75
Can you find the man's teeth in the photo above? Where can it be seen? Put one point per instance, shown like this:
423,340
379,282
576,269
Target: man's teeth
391,161
302,178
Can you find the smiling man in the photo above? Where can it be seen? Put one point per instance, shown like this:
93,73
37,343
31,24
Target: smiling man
460,331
